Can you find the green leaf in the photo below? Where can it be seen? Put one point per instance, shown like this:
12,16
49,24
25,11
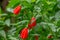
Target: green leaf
57,16
22,22
12,38
12,3
3,34
33,0
7,22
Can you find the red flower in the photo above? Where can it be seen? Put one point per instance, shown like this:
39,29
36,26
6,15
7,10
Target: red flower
17,10
36,37
32,23
50,36
24,33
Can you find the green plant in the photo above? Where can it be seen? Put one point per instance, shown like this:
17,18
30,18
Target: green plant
45,12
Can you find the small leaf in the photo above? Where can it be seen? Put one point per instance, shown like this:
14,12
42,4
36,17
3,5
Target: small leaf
3,14
7,22
22,22
33,0
57,16
48,2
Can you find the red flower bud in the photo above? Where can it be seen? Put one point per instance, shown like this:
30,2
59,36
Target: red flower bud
24,33
36,37
17,10
50,36
33,21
